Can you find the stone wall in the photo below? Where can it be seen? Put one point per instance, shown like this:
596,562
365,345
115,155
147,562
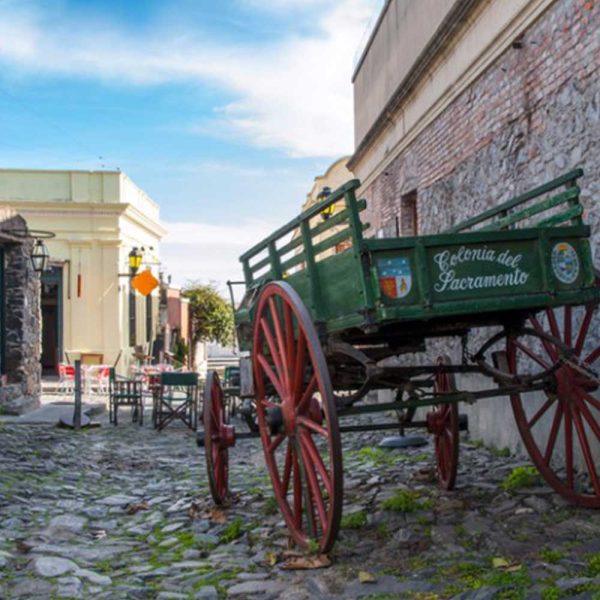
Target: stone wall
21,385
532,116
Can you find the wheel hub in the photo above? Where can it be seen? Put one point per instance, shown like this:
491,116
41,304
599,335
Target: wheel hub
226,436
436,421
274,418
568,380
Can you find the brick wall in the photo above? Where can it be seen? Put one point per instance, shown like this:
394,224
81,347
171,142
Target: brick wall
533,115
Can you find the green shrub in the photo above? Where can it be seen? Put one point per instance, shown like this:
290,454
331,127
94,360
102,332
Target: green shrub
521,477
355,520
233,531
405,501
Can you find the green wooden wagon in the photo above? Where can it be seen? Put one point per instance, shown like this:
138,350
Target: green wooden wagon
329,315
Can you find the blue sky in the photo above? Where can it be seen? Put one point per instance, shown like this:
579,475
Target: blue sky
222,111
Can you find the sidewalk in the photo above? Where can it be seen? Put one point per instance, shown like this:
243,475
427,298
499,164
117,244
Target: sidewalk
55,407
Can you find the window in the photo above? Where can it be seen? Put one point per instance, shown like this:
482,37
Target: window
149,318
132,317
408,214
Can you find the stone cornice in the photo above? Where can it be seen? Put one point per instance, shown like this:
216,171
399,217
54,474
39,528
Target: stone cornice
83,209
454,19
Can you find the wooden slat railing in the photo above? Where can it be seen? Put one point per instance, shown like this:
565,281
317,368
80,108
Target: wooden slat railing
501,218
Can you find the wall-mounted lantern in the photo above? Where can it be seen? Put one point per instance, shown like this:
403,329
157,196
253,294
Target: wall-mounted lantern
135,258
40,256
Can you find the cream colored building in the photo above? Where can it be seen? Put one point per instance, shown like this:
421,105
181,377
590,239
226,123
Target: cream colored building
88,306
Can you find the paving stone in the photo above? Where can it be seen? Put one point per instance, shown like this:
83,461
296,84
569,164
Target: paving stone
483,593
118,500
69,587
255,588
95,578
177,545
208,592
31,588
69,522
52,566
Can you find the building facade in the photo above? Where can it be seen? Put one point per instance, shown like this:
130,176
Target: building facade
20,333
463,104
336,175
88,304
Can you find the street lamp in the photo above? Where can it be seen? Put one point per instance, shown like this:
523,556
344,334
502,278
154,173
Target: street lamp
40,256
329,210
135,260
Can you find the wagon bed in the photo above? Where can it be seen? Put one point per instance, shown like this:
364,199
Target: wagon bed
373,284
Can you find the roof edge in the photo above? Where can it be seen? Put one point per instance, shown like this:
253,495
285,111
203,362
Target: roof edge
455,17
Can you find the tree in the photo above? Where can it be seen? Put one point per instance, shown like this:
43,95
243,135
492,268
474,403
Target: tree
180,351
212,315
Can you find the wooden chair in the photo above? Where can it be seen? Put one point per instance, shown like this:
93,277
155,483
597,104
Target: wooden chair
177,398
125,392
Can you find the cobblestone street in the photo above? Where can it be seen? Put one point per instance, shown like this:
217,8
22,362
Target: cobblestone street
125,513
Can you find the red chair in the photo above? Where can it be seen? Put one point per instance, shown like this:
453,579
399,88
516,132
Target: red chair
66,379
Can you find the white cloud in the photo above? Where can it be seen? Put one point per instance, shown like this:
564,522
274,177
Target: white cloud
207,252
294,95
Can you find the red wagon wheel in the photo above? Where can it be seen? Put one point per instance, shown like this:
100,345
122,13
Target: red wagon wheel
442,421
561,430
218,438
297,418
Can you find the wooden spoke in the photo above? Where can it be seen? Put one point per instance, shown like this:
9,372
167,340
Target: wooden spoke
315,458
571,394
289,339
312,426
538,415
300,358
553,323
268,371
553,433
585,324
275,442
313,487
287,469
552,353
273,350
308,511
587,453
592,423
568,325
538,359
280,341
307,395
589,398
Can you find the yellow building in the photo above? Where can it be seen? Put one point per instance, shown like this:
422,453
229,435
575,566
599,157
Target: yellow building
99,217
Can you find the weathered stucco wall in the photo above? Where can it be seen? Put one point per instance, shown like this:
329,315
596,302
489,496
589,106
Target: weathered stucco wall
533,115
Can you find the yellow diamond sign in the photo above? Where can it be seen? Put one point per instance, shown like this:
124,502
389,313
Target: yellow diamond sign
144,283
